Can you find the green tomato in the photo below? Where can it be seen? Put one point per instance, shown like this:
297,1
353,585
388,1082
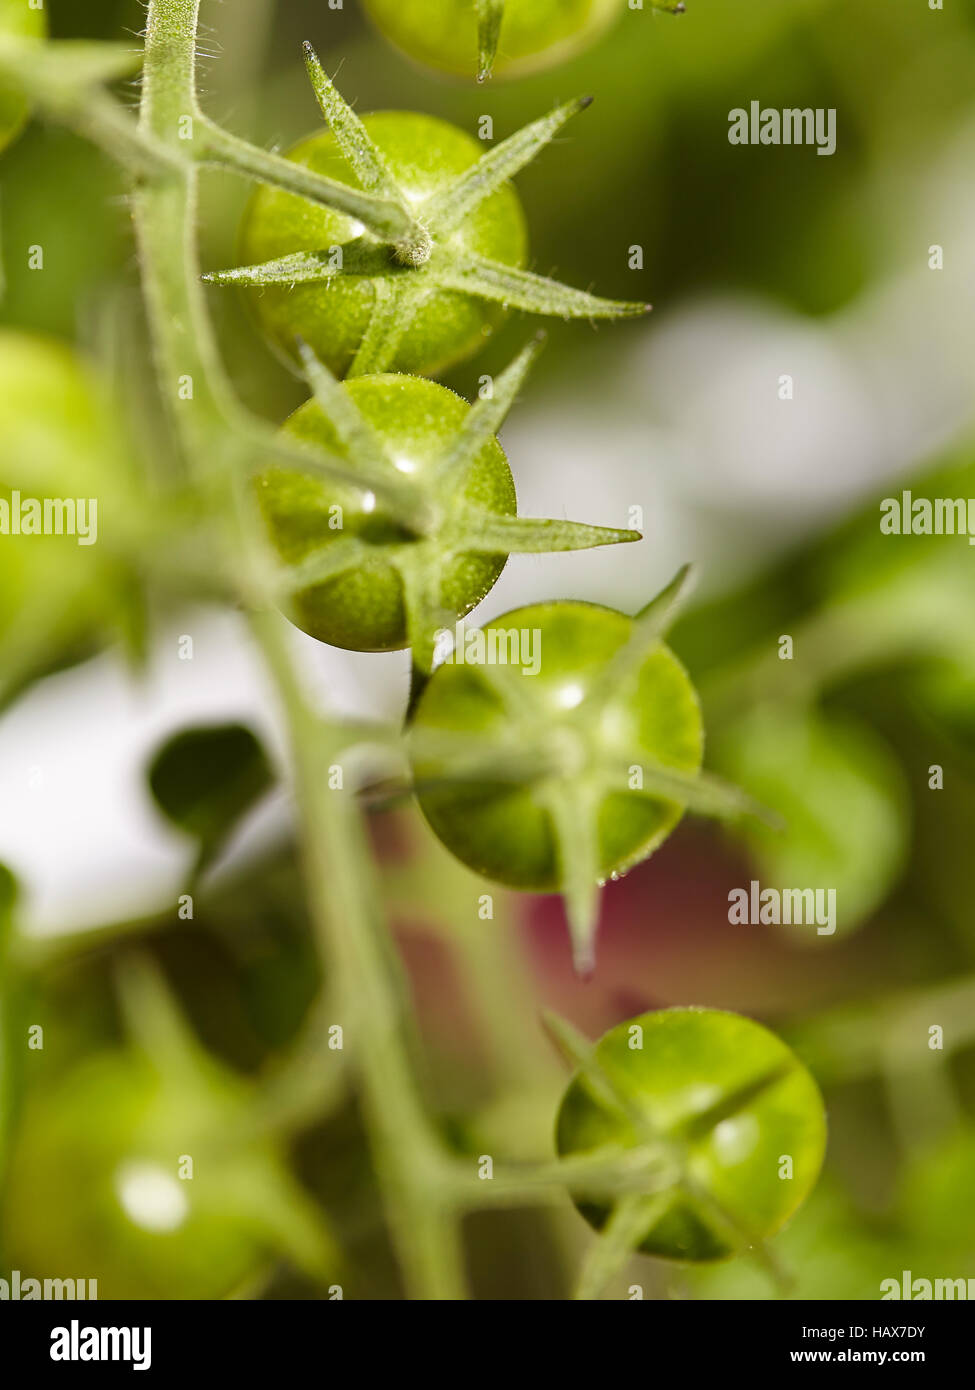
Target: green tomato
535,34
823,774
423,155
99,1186
505,830
728,1103
59,438
57,432
19,21
363,609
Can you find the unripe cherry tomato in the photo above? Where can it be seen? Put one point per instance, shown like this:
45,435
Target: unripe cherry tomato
363,609
505,830
534,34
20,21
822,773
59,438
99,1186
737,1116
57,431
423,155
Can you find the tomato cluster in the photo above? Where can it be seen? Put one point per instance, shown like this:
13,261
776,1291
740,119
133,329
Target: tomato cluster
561,754
586,763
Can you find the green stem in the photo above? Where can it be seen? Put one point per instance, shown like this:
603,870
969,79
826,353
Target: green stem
350,931
345,908
604,1173
631,1220
388,220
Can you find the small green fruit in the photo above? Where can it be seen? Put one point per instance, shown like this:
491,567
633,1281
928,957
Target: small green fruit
737,1117
424,155
534,34
505,830
363,609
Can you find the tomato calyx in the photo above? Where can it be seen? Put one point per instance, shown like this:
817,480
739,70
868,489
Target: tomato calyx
572,745
420,520
673,1089
430,256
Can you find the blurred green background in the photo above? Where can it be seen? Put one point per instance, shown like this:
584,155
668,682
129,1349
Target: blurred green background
760,262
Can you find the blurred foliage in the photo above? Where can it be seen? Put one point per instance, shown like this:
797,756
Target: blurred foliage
206,780
822,775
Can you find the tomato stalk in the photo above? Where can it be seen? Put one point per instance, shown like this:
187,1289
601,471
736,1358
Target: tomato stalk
349,927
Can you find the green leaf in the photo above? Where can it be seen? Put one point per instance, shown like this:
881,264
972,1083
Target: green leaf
580,1053
698,791
206,779
55,67
426,614
630,1222
398,495
658,616
387,220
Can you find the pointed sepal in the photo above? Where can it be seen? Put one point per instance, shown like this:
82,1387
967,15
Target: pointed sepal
486,533
448,208
490,13
574,815
486,416
520,289
650,626
358,150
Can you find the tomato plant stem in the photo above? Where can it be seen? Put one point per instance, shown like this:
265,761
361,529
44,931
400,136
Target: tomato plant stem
350,929
346,910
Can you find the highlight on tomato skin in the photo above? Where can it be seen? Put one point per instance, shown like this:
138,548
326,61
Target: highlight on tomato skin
158,1206
732,1122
